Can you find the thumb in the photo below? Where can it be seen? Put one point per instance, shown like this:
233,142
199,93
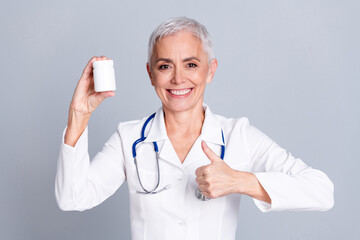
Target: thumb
209,153
97,98
108,94
101,96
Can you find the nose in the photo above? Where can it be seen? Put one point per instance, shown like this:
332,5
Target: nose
179,76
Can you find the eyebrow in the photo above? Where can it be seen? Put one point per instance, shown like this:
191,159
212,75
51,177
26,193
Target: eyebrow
191,58
171,61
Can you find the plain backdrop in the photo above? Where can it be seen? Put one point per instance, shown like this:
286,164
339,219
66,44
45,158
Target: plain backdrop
291,67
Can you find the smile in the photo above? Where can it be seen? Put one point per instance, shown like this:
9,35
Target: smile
180,92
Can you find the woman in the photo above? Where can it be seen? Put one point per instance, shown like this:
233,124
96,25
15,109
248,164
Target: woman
222,157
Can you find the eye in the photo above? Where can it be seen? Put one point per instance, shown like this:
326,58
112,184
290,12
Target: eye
192,65
164,67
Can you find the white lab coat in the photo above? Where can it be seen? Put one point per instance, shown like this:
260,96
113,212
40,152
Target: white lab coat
176,213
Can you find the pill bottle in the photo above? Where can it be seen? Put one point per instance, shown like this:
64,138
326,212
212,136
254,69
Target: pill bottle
104,75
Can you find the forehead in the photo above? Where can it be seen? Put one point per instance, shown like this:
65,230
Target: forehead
182,43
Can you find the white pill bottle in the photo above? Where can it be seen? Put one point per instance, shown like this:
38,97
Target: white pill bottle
104,75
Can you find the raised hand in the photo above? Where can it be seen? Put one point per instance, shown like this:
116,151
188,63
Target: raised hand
84,101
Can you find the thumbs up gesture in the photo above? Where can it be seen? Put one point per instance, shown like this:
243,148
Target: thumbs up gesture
216,179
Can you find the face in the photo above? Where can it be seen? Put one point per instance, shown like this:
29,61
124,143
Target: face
180,71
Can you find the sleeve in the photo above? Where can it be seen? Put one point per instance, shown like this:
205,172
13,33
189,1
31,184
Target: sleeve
81,184
290,183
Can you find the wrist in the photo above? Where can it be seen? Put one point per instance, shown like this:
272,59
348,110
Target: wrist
76,125
245,182
250,185
77,120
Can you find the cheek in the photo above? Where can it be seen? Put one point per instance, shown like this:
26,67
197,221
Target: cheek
161,79
160,92
200,77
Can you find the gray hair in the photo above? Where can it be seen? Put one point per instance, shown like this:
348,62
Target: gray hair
174,25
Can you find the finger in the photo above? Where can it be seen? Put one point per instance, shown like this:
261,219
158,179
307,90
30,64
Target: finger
88,68
203,187
205,193
109,94
201,180
89,64
102,95
200,171
103,57
209,153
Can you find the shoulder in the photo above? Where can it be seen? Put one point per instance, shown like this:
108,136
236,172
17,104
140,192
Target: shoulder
232,122
131,126
240,126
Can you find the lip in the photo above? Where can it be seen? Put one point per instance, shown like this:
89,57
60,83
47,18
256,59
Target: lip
180,96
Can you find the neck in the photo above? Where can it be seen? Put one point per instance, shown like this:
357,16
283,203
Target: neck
185,122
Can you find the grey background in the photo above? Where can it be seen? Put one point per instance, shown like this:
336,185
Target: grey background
291,67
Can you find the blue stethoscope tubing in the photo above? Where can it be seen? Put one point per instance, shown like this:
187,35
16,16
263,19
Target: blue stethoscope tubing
156,149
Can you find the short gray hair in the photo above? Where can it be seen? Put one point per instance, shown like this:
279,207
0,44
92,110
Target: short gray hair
174,25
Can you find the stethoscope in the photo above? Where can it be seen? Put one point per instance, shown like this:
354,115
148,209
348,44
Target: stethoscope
198,193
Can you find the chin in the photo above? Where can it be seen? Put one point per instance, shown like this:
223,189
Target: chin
181,106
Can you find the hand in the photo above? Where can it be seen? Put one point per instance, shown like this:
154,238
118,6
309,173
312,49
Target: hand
85,100
216,179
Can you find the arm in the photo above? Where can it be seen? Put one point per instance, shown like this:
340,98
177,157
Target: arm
81,184
289,182
248,184
278,182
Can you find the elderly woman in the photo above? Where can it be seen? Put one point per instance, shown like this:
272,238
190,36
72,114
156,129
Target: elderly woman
183,154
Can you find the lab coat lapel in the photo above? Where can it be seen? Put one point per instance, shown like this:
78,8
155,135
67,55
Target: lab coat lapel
211,129
157,133
211,134
168,154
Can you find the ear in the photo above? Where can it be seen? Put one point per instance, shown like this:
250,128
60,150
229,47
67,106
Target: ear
149,73
212,68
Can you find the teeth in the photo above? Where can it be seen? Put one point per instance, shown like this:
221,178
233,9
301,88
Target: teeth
180,92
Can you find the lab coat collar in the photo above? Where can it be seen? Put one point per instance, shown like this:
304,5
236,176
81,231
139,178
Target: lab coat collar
210,132
157,130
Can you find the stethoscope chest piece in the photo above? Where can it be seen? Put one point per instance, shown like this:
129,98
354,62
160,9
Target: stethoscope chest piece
200,196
